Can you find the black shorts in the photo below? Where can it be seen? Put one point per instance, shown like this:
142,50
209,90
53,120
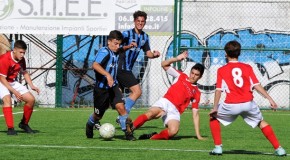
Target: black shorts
126,79
103,98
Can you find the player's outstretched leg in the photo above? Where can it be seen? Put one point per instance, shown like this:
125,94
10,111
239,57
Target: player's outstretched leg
270,135
139,121
163,135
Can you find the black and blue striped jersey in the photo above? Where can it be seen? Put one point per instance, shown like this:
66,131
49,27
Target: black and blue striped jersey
142,40
109,61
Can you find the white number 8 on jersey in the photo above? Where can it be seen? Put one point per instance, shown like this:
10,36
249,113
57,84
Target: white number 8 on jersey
237,75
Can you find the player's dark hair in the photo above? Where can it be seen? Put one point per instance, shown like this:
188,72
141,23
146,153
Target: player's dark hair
20,44
198,67
233,49
115,34
140,14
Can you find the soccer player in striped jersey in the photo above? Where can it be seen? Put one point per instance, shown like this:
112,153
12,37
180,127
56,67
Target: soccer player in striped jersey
238,80
135,40
106,90
12,63
174,102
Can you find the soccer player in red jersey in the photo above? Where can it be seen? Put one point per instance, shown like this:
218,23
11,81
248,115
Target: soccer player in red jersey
11,63
237,80
174,102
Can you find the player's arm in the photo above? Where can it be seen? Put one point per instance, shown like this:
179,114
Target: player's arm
195,118
29,81
127,47
166,63
150,54
97,67
261,90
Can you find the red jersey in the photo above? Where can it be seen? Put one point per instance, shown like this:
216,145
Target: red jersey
182,92
237,79
9,67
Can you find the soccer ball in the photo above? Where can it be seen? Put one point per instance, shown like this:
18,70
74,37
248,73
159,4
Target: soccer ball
107,131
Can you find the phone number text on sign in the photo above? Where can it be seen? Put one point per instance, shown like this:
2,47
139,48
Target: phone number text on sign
156,22
126,18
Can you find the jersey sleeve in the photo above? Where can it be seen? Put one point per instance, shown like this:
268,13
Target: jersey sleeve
219,80
146,46
171,71
101,56
253,78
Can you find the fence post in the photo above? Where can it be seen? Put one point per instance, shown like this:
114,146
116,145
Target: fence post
177,29
59,75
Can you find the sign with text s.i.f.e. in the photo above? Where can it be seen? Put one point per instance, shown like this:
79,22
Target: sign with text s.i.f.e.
82,17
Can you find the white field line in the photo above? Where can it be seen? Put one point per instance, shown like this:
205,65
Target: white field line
112,148
108,148
1,115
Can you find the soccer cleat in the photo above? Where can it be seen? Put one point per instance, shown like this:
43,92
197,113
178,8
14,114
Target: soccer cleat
129,132
129,136
97,125
129,125
89,131
26,128
11,132
280,152
147,136
218,150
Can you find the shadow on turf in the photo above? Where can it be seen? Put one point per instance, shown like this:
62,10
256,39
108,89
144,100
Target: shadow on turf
245,152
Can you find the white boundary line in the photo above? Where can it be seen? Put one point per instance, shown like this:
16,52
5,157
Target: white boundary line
2,115
114,148
108,148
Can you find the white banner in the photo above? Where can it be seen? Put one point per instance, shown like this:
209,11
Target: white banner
83,17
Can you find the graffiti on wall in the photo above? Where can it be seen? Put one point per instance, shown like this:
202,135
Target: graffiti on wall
268,52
